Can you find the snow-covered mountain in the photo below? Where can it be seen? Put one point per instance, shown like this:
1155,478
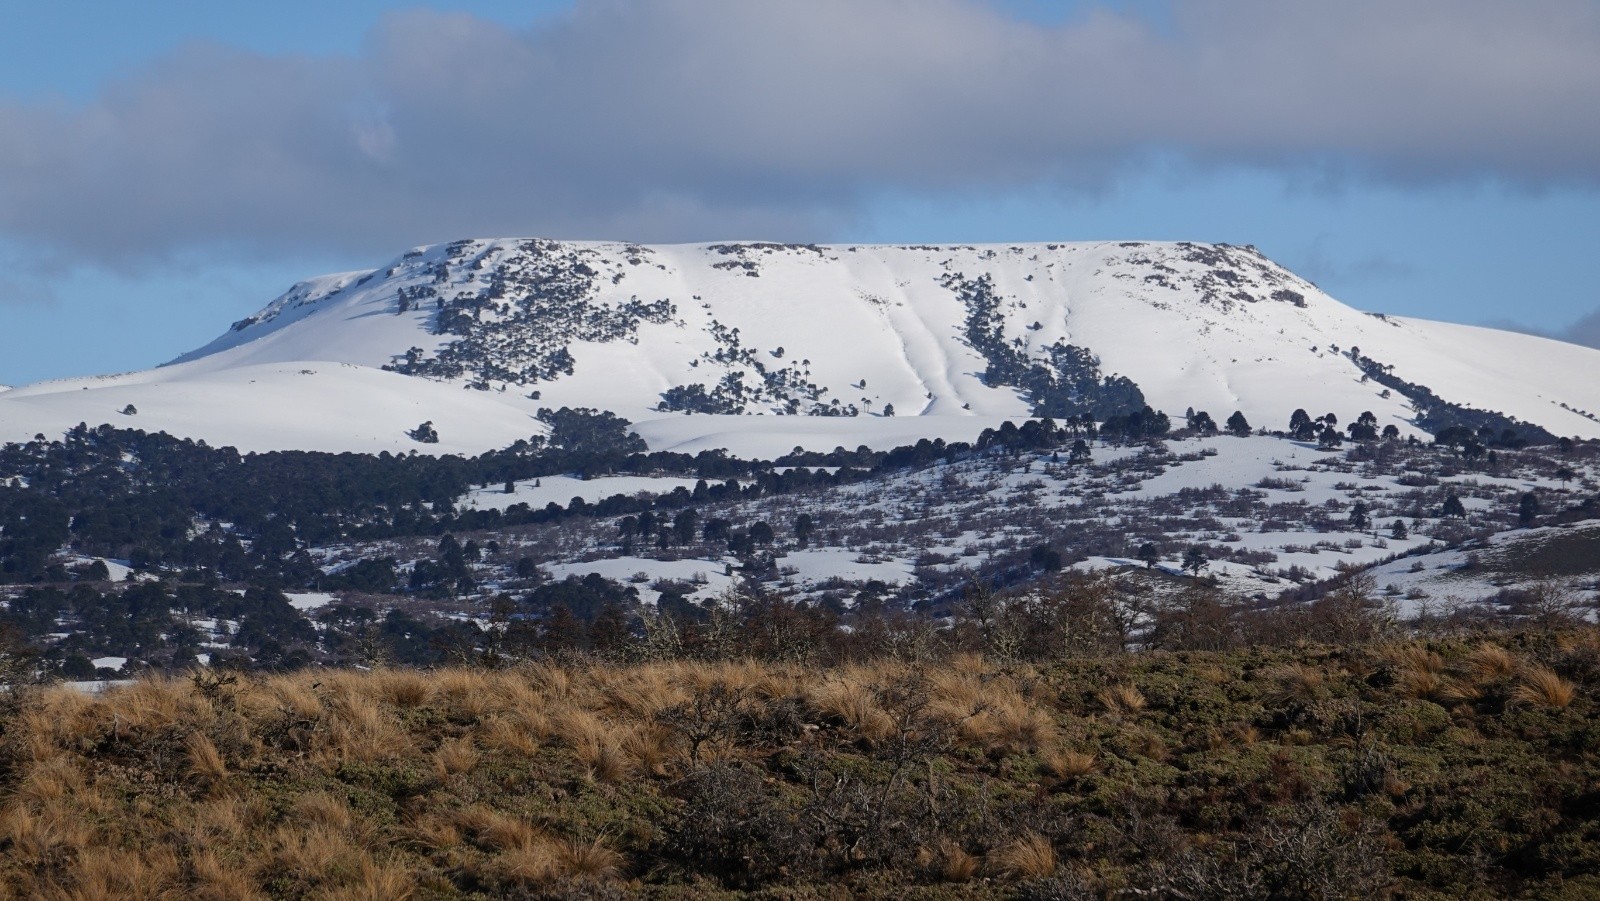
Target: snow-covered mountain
770,346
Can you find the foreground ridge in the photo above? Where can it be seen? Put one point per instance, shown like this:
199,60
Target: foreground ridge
1323,771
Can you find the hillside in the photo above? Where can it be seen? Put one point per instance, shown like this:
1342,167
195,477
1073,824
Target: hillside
949,339
1454,768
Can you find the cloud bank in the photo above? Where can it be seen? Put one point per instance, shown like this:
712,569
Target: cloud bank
696,119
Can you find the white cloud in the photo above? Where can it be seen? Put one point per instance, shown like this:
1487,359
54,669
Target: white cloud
688,119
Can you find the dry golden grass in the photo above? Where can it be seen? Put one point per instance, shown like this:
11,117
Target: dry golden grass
496,831
1422,684
1020,726
641,692
1459,692
1419,673
220,821
1148,745
989,713
433,832
392,784
323,809
34,838
650,747
855,704
1030,856
508,735
535,865
949,862
1297,736
594,743
313,852
1121,699
608,763
150,705
373,880
1489,662
551,681
211,879
205,761
61,721
50,781
1413,658
468,693
1067,764
359,729
288,697
117,873
589,860
528,857
1539,686
1296,682
510,692
404,688
455,756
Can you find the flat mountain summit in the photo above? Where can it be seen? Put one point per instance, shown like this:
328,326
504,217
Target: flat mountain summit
760,347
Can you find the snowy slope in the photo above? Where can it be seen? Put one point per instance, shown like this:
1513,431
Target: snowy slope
1480,570
795,329
311,406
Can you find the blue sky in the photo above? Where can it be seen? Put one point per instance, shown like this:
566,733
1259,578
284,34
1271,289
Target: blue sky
169,167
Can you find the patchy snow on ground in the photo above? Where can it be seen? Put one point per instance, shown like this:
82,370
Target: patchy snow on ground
710,575
561,490
310,600
1564,557
116,569
821,564
109,662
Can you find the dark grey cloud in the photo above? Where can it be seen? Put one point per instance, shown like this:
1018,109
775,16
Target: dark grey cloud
688,119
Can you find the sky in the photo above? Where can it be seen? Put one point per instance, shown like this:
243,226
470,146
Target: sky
170,166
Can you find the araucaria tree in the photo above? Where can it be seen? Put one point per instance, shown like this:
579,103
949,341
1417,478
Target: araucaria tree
1528,509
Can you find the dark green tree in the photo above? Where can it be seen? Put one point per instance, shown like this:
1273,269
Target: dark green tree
683,525
1528,509
803,527
1300,425
1046,558
761,533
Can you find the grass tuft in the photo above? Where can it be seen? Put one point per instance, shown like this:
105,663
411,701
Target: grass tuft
1540,687
947,861
1490,662
1121,699
1028,857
